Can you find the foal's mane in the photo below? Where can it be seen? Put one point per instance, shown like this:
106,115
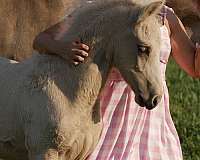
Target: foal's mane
102,18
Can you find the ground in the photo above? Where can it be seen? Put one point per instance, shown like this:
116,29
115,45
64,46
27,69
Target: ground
185,108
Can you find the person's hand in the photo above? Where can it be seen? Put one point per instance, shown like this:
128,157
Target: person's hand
75,51
79,52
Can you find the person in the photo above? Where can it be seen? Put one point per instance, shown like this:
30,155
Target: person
197,61
131,131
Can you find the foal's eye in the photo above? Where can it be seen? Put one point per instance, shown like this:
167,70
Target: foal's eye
143,49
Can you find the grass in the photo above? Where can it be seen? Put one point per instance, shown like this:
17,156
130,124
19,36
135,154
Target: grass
185,109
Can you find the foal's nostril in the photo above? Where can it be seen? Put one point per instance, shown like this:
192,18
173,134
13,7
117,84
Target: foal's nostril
149,103
155,100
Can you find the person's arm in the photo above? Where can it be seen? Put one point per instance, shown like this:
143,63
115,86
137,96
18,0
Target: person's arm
47,42
197,61
183,49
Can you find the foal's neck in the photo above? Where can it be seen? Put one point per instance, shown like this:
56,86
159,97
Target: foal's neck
93,76
81,84
90,76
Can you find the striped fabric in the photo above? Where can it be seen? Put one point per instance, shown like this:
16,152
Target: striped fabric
131,132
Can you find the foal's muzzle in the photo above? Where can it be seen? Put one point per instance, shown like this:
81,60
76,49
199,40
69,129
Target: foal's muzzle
149,103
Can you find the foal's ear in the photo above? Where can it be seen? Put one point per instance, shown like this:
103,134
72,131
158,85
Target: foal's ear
150,9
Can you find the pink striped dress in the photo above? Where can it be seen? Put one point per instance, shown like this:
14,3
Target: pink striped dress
131,132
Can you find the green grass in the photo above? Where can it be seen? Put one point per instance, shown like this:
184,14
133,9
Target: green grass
185,109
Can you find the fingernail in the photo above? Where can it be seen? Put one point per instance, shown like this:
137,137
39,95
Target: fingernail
75,63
